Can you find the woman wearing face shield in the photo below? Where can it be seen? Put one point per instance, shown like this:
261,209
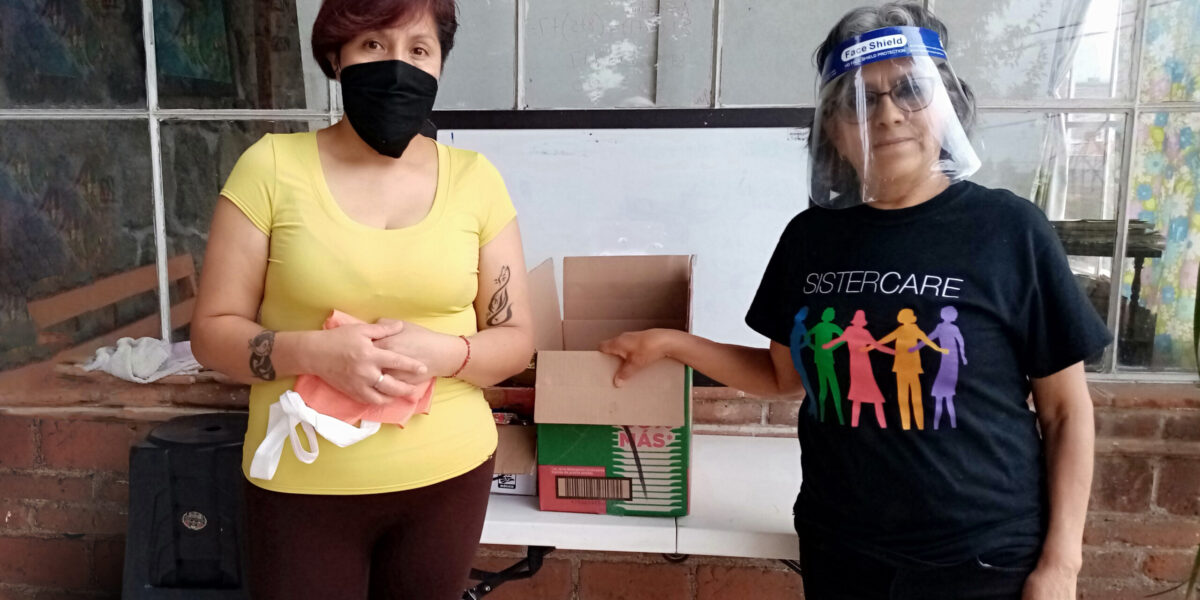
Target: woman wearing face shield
992,503
417,240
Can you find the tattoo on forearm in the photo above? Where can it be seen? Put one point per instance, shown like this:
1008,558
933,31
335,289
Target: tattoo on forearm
260,356
499,309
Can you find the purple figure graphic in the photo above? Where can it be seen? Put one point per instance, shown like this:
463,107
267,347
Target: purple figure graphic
862,378
944,386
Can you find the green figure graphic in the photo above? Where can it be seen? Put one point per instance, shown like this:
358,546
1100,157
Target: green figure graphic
822,333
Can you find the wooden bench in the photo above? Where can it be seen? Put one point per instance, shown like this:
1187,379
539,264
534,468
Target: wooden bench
59,308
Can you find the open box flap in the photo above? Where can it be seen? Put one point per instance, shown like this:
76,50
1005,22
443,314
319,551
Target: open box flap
587,335
543,303
516,452
576,388
627,287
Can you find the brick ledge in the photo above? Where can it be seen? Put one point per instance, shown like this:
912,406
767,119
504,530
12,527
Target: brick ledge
64,391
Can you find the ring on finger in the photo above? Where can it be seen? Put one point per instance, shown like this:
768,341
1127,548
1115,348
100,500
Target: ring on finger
378,381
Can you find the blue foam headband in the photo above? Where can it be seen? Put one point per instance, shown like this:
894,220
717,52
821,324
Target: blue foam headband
881,44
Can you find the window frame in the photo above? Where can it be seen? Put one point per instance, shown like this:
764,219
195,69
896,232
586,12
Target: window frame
1131,108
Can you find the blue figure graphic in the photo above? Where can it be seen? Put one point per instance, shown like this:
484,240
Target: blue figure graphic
798,341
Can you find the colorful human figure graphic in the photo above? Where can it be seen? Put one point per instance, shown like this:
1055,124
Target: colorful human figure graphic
863,388
907,365
798,341
822,333
946,383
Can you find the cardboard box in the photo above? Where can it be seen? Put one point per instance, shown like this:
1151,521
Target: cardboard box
601,449
515,470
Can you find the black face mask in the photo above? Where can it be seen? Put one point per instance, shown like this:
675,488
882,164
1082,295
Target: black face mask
387,101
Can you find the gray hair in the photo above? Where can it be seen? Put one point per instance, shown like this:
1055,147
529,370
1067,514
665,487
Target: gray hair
831,170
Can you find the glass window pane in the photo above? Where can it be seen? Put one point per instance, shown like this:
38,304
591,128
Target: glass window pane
1033,49
1103,63
481,72
1170,71
685,53
602,54
767,50
72,54
218,54
1067,163
1165,195
1072,173
197,157
67,222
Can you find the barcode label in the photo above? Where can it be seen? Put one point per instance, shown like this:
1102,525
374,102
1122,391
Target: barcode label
595,488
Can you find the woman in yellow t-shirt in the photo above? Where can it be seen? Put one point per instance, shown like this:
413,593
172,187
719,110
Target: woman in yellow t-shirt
420,242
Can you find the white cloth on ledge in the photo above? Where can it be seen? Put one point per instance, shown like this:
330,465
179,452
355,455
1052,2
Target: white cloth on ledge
144,360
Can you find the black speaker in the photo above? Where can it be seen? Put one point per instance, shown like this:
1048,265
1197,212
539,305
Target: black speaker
186,530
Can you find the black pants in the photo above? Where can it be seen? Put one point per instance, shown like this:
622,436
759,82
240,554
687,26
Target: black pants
416,544
833,572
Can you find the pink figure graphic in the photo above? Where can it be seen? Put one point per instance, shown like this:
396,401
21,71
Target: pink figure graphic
862,379
907,366
946,383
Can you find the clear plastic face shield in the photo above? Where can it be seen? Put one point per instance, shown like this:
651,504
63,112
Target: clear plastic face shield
885,122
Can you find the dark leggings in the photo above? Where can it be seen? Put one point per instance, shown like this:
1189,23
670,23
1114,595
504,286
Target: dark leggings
415,544
832,571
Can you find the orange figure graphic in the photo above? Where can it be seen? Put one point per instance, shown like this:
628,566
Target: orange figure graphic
907,365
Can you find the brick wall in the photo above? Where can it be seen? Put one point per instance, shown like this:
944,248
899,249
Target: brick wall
63,497
1144,516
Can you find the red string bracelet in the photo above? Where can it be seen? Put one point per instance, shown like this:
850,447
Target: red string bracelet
466,359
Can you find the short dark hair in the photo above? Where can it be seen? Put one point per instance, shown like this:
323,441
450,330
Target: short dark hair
340,21
829,167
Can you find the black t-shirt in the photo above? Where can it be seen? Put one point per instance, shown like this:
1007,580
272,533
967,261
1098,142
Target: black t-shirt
957,301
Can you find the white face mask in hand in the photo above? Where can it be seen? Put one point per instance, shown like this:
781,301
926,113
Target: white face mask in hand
284,416
318,407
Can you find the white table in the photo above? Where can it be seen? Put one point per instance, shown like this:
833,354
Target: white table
741,505
742,494
516,520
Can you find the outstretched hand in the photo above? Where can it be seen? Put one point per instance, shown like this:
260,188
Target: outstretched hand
636,350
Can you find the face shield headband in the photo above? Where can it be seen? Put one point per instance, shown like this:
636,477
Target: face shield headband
881,44
887,119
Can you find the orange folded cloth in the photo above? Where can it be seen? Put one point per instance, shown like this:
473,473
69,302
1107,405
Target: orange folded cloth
328,400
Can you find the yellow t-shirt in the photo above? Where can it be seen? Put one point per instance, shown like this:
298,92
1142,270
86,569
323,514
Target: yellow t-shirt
321,259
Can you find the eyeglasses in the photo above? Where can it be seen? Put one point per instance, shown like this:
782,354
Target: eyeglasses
910,95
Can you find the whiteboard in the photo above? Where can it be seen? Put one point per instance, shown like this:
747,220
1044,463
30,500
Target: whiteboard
723,195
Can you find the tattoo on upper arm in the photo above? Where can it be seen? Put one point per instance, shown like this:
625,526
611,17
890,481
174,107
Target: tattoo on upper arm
499,309
260,355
